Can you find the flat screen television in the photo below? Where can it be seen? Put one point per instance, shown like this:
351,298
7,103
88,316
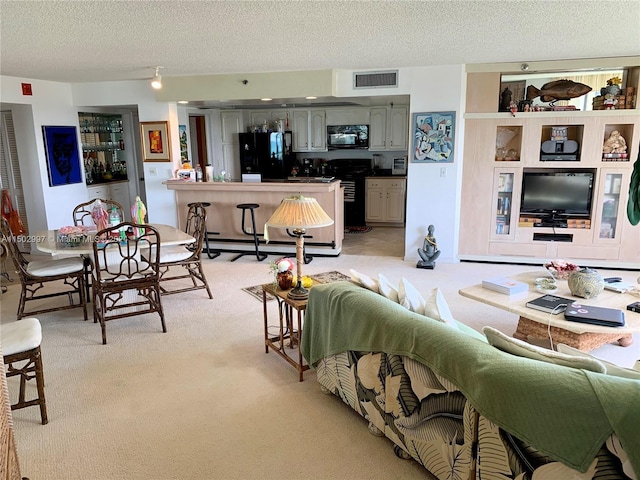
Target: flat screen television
557,194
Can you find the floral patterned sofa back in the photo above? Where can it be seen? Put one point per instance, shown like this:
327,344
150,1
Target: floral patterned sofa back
462,408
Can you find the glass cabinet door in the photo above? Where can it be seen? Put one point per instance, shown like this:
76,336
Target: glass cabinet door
610,205
503,203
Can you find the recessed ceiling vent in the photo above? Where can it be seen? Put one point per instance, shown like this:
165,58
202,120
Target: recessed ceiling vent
386,79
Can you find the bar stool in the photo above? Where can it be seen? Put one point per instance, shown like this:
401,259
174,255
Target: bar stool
251,207
21,342
207,232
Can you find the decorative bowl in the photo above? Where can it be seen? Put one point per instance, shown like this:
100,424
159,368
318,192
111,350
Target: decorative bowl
546,285
561,269
559,275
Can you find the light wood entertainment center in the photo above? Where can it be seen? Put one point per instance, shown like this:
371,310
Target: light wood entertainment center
492,227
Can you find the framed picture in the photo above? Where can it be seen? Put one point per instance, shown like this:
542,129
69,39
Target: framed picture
63,155
184,155
156,146
433,137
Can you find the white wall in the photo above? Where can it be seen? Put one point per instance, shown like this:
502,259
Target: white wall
161,205
431,198
47,207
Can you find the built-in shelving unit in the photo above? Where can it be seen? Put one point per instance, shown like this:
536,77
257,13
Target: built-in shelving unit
500,147
102,147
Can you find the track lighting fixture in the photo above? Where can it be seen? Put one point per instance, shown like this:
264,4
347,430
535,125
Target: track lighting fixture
156,81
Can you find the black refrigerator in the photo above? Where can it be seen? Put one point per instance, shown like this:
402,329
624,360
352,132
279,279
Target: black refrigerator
262,153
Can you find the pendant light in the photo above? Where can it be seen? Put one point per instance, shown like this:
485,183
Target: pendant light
156,81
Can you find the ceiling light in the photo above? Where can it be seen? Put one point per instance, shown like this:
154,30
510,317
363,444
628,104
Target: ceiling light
183,101
266,99
156,81
310,98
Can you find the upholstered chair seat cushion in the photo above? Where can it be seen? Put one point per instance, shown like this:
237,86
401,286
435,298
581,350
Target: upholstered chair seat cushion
51,268
174,253
20,336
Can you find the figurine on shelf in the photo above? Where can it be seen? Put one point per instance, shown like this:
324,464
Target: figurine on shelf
610,102
615,143
513,108
429,251
505,99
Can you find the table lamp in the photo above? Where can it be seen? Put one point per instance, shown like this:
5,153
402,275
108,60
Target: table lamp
299,213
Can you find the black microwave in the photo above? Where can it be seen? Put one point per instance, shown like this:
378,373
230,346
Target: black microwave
347,136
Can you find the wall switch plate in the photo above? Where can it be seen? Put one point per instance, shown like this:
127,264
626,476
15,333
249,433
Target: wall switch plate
443,171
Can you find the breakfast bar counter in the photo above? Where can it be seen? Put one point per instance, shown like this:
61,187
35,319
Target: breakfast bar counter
224,218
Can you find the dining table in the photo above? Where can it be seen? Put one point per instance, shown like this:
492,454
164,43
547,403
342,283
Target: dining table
46,241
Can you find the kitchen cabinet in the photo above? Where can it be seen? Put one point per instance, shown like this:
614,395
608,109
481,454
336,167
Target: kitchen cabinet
118,191
388,128
348,116
500,149
309,130
385,201
232,125
268,117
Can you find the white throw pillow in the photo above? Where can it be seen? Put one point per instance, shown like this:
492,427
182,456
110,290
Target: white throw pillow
410,298
436,307
612,368
365,281
386,289
523,349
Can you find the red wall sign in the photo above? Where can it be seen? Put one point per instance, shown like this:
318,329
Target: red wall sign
26,89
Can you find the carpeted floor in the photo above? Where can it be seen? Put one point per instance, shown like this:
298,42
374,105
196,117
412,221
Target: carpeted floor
204,401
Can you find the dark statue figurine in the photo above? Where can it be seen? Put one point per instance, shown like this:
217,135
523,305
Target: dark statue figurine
505,100
429,251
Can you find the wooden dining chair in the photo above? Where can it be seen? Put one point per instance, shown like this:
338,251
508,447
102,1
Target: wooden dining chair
126,284
22,357
67,273
185,261
82,212
82,216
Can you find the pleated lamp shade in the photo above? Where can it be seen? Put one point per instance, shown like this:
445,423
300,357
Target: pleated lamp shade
299,212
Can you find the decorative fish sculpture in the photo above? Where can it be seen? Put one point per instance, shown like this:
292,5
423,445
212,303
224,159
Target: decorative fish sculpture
558,90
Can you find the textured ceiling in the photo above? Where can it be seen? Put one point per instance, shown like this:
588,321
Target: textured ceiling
86,41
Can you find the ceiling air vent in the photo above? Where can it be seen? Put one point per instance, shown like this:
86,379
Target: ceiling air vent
385,79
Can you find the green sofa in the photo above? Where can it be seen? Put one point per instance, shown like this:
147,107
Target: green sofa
459,406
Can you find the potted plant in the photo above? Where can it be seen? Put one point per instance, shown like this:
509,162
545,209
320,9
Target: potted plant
613,86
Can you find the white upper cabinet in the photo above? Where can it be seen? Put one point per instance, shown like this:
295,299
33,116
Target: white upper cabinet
231,125
309,130
318,130
268,117
397,128
378,129
388,128
300,130
348,116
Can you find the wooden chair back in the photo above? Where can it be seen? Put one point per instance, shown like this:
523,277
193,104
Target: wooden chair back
82,212
126,274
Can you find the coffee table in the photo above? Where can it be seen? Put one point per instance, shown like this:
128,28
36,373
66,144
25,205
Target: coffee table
537,324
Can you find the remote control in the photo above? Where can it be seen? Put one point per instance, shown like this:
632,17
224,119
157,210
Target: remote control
612,279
